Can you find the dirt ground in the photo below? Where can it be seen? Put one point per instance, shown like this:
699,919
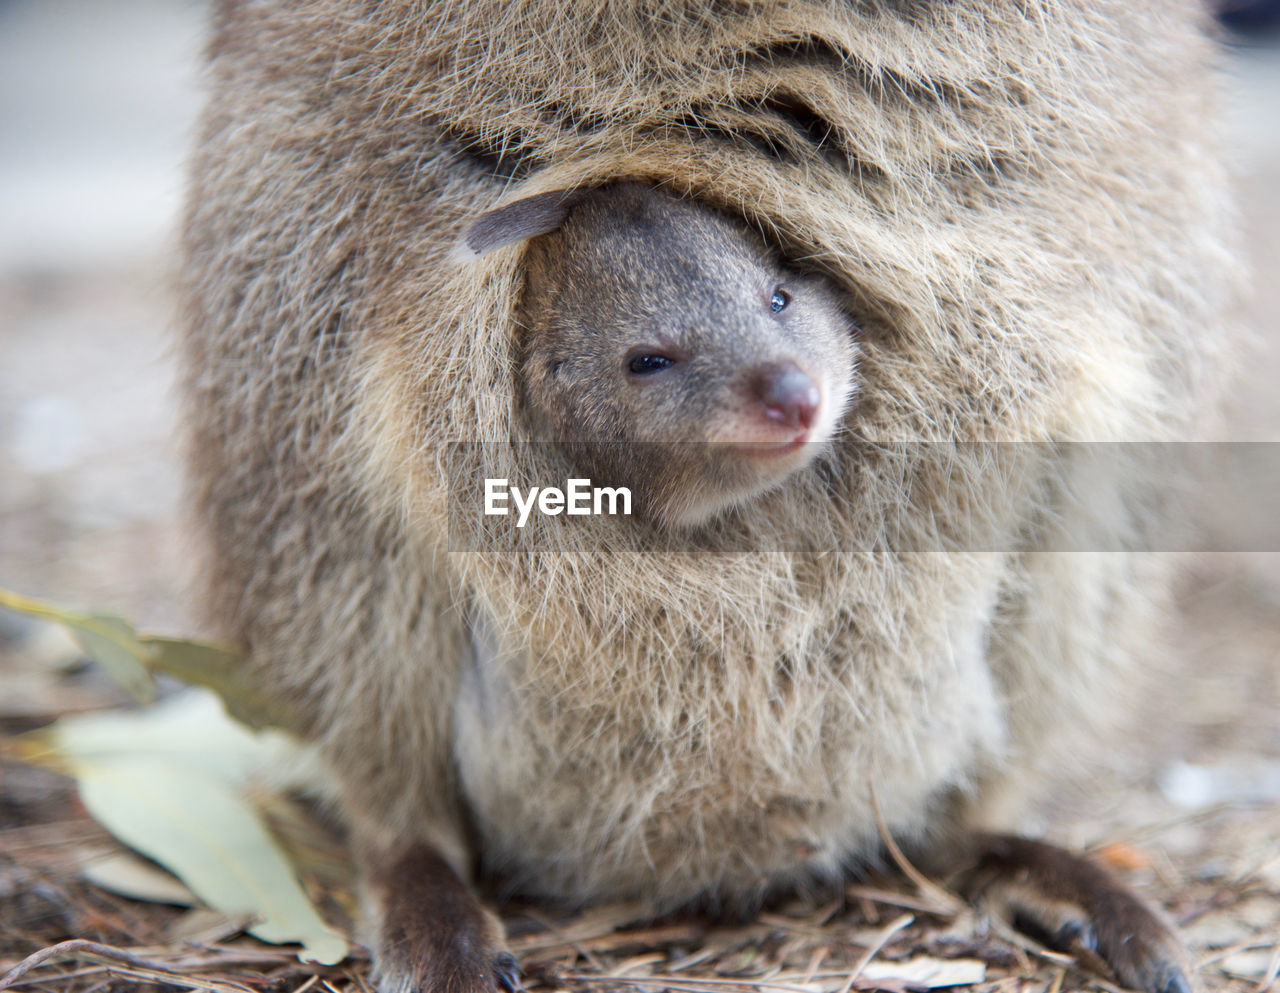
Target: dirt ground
1188,808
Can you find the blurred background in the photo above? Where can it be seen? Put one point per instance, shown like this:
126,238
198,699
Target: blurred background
96,108
97,102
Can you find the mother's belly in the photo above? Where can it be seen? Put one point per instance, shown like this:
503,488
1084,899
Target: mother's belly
584,798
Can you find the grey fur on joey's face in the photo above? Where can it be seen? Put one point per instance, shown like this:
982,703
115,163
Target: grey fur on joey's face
668,350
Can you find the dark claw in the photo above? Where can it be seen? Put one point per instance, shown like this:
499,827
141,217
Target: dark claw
1070,937
1174,981
506,970
1075,934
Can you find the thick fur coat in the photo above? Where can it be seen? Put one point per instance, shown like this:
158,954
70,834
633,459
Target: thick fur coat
1024,207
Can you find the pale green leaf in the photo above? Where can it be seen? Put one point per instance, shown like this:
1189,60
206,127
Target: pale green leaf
218,668
191,730
130,876
130,657
108,639
207,834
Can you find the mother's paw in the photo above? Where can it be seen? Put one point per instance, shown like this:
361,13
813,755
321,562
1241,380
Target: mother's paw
1072,904
431,932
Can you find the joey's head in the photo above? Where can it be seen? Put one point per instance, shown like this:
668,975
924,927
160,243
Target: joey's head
667,348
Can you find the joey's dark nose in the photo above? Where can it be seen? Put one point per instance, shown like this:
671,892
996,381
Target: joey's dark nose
789,394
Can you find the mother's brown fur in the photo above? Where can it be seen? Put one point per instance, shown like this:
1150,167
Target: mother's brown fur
1025,211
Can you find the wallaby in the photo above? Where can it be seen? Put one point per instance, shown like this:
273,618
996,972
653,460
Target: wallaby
1023,213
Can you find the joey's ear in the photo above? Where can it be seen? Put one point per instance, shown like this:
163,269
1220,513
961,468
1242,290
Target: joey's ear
517,221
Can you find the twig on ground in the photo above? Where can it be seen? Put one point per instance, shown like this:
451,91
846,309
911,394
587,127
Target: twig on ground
944,897
892,928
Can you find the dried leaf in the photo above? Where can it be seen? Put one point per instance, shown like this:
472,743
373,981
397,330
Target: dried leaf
1124,856
928,972
171,783
130,657
106,638
191,730
217,668
129,876
212,839
1250,964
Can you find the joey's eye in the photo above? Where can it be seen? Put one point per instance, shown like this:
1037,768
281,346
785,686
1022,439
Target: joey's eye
645,365
778,302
